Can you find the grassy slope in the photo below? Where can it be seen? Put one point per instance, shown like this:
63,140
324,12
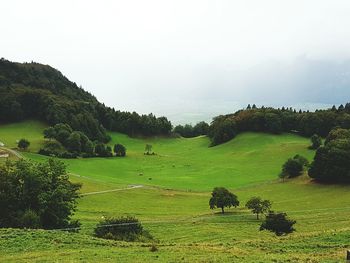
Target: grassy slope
180,219
31,130
188,164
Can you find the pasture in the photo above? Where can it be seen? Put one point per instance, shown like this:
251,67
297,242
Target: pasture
171,200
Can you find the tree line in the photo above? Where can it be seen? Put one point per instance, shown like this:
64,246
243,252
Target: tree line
32,90
225,127
189,131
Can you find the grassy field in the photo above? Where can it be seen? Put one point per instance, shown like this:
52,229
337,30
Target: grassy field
173,203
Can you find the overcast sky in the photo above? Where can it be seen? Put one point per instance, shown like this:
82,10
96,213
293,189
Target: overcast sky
188,59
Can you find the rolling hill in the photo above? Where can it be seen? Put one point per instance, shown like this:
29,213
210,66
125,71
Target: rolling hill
171,200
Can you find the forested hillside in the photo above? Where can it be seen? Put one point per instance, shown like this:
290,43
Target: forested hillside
36,91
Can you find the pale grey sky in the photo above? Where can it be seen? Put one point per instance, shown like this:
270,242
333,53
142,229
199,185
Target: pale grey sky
188,59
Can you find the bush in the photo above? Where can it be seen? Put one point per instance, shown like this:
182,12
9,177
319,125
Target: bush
153,248
68,155
119,150
122,228
23,144
278,223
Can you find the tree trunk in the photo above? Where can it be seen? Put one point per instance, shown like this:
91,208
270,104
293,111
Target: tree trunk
222,210
257,216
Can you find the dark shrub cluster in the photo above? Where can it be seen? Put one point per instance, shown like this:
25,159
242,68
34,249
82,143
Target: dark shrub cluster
121,228
278,223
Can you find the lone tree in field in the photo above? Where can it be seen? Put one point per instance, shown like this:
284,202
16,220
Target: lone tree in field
221,198
316,142
148,149
23,144
120,150
258,206
278,223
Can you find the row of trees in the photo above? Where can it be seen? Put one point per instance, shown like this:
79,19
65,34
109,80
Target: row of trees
321,122
32,90
275,222
64,142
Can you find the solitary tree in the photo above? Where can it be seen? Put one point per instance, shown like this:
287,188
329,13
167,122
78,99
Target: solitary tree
23,144
120,150
278,223
221,198
316,141
258,206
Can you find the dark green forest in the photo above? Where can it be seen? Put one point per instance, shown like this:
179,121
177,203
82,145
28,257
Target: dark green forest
33,90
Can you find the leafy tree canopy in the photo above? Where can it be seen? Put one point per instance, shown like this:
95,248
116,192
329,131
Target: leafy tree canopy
221,198
37,195
258,206
331,163
278,223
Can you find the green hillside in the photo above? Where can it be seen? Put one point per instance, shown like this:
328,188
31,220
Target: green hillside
172,203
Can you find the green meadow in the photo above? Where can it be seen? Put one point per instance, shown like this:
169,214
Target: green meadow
172,203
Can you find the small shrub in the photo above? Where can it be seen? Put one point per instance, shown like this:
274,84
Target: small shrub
23,144
153,248
122,228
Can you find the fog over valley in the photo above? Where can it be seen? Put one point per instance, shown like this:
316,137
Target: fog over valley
189,60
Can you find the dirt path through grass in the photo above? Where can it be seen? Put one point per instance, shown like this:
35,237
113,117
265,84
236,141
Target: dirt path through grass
113,190
13,152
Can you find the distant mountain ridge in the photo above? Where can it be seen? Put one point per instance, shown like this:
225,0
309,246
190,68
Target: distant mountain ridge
37,91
